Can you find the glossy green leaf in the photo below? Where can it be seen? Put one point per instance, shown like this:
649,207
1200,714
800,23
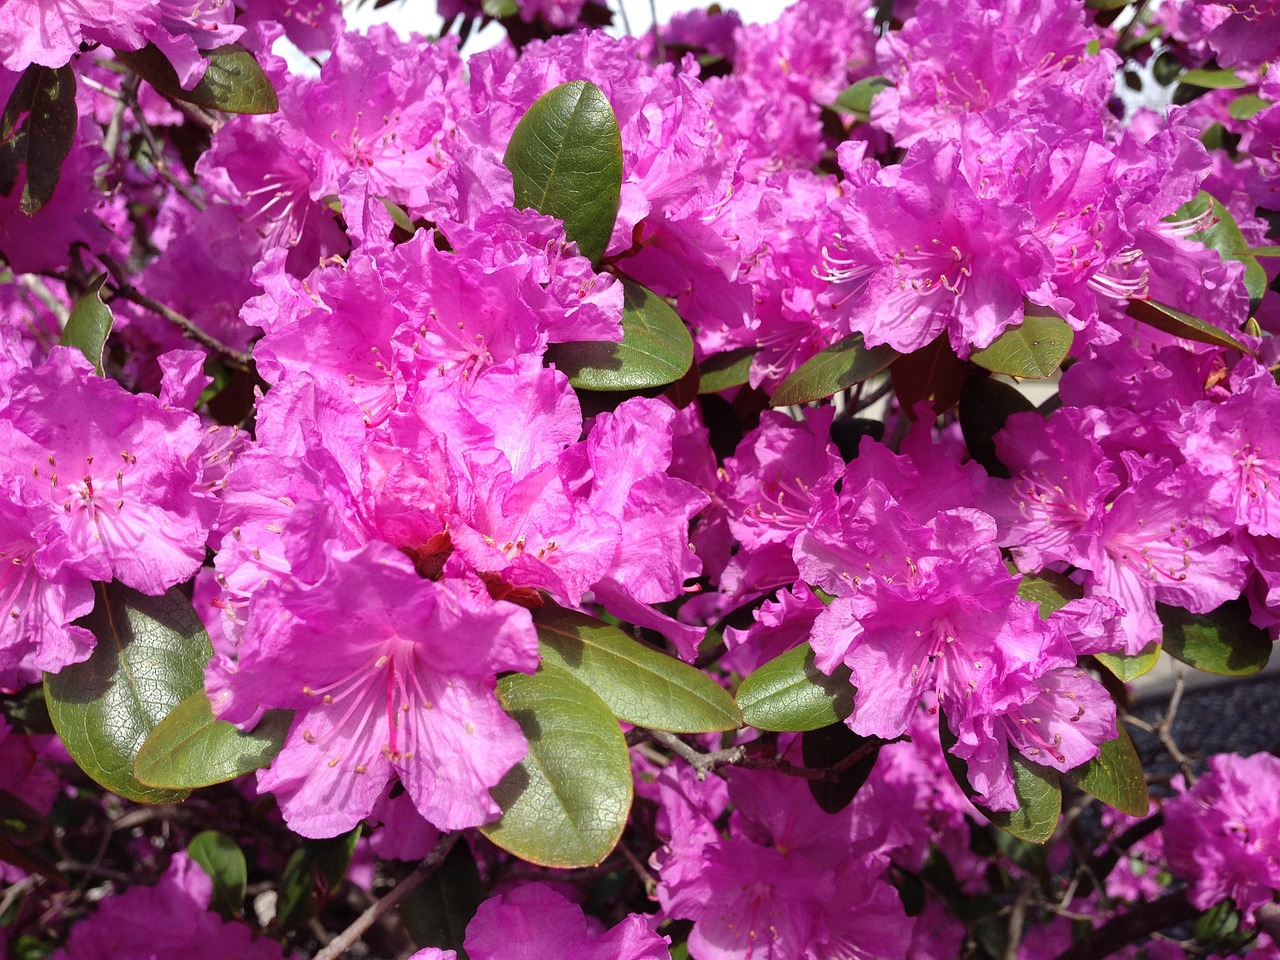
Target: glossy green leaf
828,747
1223,234
1129,667
856,100
566,803
313,873
790,693
1037,789
726,370
1050,590
232,82
1222,641
150,656
1263,251
842,365
1115,776
1213,79
656,348
223,860
638,683
90,324
189,748
985,405
37,129
1033,350
565,158
1174,321
437,913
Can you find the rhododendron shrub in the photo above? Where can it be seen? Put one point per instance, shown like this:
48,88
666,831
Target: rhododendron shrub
693,496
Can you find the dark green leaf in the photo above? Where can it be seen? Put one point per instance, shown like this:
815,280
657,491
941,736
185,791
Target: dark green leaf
1127,667
1050,590
1173,321
790,693
19,821
639,684
826,748
90,324
565,158
566,803
1223,234
37,129
150,656
726,370
985,405
1219,929
1222,641
437,913
1213,79
1033,350
856,100
233,81
189,748
656,348
312,874
223,860
842,365
1115,776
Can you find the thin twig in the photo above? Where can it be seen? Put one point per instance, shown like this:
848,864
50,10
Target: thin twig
160,163
647,878
338,945
702,763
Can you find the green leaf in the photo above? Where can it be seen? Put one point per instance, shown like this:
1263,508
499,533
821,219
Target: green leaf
1033,350
1107,4
565,158
726,370
223,860
313,873
790,693
1213,79
232,82
437,913
842,365
1128,667
1223,234
1050,590
1263,251
656,348
1173,321
189,748
639,684
500,8
856,100
150,656
566,803
89,324
1222,641
37,129
1246,106
1115,776
985,405
829,746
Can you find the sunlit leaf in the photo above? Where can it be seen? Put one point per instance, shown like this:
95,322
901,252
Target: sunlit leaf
790,693
1222,641
842,365
232,82
1115,776
1033,350
1180,324
89,324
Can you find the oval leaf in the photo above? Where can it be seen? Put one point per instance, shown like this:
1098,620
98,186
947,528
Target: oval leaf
90,324
313,873
232,82
1222,641
656,348
437,913
790,693
1115,777
150,656
565,158
842,365
1174,321
1222,79
189,748
726,370
37,129
1033,350
567,802
223,860
934,374
985,405
830,746
1223,234
1049,590
639,684
1127,667
856,100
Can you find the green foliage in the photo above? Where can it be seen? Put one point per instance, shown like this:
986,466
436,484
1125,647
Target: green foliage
725,370
985,405
565,158
1223,234
842,365
790,693
1127,667
829,747
1221,79
437,913
90,324
566,803
37,129
312,874
1180,324
855,101
1222,641
232,82
223,860
1033,350
150,656
1115,776
638,683
1050,590
656,348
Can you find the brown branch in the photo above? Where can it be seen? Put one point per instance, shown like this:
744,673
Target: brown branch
1139,921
